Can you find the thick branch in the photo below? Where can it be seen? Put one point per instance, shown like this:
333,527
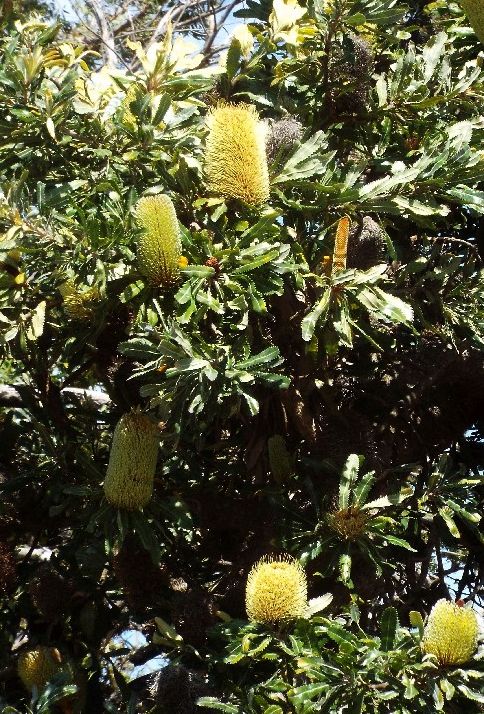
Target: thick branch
13,396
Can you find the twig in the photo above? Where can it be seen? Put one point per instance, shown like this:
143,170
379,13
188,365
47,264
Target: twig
106,34
211,37
448,239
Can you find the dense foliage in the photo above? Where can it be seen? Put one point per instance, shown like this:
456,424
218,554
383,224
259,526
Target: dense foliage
272,266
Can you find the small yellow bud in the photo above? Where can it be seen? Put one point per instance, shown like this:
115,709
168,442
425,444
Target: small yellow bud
451,633
38,666
276,590
159,247
132,462
474,9
235,158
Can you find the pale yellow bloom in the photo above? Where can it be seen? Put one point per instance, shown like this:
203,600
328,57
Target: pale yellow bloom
276,590
132,462
451,633
38,666
159,247
235,157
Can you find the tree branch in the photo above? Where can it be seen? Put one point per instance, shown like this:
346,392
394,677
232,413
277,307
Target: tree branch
106,34
13,396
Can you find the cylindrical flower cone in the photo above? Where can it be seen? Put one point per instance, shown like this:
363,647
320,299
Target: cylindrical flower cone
159,247
280,460
474,9
276,590
132,462
38,666
235,158
341,244
451,633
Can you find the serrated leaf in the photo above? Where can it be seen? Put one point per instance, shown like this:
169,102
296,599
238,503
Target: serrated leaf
416,620
319,312
317,604
302,163
345,567
36,328
213,703
347,480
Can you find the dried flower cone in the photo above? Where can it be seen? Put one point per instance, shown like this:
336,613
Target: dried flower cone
50,593
38,666
235,158
282,135
132,462
366,244
276,590
159,247
451,633
474,9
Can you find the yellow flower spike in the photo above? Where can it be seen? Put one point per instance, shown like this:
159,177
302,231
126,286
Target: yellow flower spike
79,305
132,462
235,158
36,667
276,590
341,244
474,9
451,633
159,247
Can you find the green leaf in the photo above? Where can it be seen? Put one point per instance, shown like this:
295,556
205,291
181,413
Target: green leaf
398,541
471,694
257,262
212,703
319,312
347,480
302,163
36,328
388,628
345,567
416,620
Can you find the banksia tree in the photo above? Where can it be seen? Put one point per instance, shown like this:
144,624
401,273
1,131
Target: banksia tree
38,666
159,246
276,590
278,256
474,9
235,156
132,462
451,633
